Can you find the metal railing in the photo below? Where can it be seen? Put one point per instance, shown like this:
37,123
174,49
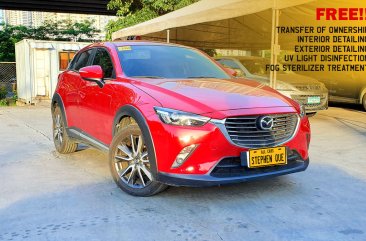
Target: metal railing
8,76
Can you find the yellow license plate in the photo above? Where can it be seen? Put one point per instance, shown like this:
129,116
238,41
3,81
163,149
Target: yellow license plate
267,157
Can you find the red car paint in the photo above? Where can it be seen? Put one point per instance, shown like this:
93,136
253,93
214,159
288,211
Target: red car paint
92,109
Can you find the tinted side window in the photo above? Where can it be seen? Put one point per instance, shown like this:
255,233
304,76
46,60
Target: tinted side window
82,60
103,59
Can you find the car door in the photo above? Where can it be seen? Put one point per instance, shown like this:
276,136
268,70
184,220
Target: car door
350,85
95,102
74,82
343,87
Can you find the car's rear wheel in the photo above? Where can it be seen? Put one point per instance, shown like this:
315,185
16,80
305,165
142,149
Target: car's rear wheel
364,101
130,163
61,140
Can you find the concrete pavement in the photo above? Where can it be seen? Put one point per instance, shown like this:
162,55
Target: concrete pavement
48,196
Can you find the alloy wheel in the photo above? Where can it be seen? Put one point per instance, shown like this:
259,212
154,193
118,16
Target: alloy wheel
132,162
58,129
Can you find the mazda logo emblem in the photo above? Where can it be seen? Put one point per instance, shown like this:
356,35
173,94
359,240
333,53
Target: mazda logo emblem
265,123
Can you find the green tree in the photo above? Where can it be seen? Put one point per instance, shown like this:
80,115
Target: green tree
132,12
76,31
49,30
9,35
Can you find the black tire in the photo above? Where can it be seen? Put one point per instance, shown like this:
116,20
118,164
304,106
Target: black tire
364,102
132,166
311,114
61,140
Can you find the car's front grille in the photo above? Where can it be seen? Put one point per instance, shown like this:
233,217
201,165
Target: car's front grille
308,87
233,166
245,131
303,99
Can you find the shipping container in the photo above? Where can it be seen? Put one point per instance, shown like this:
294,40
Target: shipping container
38,64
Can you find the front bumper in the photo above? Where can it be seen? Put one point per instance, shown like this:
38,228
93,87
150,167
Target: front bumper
213,146
214,179
310,108
302,98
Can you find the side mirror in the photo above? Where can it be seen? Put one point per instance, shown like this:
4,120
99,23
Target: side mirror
231,71
93,73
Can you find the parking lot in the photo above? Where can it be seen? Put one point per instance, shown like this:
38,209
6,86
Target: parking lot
48,196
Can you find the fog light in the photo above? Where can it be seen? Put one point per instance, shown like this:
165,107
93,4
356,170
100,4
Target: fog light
183,155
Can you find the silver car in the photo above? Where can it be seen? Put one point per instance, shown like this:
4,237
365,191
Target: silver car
305,90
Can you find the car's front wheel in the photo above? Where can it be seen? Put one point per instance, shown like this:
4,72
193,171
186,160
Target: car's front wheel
364,101
130,164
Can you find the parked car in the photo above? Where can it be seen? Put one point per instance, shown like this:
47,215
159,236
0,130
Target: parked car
344,87
305,90
169,115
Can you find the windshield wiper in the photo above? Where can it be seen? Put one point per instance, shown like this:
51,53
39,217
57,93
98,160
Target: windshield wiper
147,77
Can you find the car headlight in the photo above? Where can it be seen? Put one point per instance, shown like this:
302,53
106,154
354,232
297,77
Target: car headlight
180,118
322,86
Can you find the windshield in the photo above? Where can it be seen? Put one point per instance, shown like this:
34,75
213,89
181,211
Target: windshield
171,62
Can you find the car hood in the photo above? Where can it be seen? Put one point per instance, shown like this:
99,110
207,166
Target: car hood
297,79
288,78
264,80
211,95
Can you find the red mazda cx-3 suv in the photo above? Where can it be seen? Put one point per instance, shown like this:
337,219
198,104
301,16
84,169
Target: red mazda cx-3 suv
170,115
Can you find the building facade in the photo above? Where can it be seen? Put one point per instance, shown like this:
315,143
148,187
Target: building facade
36,19
2,16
